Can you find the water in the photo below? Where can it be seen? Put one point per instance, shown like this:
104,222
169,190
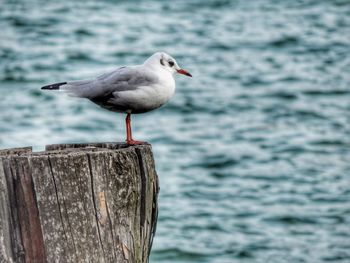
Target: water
253,152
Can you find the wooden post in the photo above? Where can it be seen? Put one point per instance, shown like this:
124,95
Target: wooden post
78,203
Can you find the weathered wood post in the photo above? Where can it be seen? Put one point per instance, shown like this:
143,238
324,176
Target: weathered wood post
78,203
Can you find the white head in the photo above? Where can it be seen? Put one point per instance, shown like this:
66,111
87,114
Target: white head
166,62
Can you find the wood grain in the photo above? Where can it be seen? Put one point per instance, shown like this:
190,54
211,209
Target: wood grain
93,202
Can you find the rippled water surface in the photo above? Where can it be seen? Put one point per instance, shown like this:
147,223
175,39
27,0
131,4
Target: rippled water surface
253,152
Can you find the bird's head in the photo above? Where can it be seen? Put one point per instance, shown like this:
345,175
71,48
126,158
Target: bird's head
167,62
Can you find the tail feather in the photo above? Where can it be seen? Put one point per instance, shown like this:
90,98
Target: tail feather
55,86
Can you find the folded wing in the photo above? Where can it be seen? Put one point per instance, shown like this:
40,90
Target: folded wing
121,79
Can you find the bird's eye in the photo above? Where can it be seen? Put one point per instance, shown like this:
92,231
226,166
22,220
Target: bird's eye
171,63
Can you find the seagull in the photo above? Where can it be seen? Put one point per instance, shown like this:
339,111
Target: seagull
130,89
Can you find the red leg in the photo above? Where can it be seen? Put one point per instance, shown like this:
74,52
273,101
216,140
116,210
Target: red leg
128,127
129,139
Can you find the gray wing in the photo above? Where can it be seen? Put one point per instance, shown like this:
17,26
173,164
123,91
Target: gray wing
109,84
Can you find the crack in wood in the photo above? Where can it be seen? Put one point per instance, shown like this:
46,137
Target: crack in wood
105,172
67,216
154,211
94,205
111,227
57,198
143,187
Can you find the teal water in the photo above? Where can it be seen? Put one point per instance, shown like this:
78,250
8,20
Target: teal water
253,153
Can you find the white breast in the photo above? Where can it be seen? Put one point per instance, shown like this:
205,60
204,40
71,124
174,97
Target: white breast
147,98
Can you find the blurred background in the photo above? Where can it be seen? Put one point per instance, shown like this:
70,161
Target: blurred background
253,152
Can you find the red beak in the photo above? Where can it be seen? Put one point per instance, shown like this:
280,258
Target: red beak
184,72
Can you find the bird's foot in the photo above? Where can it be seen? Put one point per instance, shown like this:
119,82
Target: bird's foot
132,142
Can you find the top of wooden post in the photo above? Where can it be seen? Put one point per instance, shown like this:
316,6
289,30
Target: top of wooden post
70,147
77,203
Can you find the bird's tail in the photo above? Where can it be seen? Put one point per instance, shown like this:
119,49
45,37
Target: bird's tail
55,86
